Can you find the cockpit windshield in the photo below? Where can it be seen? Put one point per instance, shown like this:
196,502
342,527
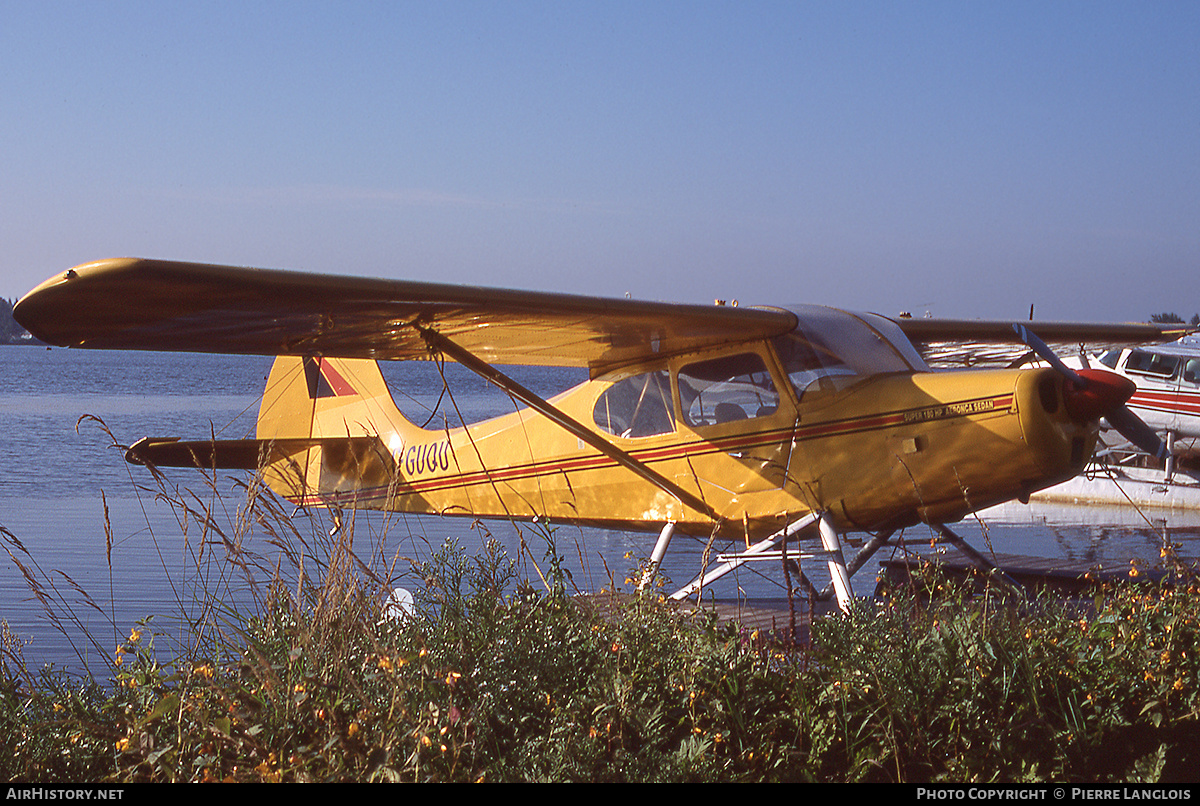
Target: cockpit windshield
829,349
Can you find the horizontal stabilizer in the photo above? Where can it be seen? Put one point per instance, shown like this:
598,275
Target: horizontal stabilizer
254,454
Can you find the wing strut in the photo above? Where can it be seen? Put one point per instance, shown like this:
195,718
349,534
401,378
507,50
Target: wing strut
489,373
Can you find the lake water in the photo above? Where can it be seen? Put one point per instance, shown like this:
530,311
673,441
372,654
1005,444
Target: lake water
108,551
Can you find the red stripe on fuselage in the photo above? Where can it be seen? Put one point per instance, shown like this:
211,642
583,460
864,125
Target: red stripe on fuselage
662,453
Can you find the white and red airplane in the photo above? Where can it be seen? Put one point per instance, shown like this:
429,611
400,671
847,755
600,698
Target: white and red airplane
1167,398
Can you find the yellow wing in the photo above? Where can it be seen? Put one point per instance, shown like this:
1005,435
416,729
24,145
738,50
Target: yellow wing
131,303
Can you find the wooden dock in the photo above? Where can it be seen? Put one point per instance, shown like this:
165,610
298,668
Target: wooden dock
1036,574
777,618
768,617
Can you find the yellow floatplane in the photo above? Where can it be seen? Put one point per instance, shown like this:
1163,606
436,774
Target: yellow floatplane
726,420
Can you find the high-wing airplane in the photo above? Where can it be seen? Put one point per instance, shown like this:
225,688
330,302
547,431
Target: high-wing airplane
748,423
1167,398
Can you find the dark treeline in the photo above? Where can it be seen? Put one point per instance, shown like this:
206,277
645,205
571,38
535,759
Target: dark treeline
1174,318
10,331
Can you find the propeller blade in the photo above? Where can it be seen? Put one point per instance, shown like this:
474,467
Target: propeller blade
1098,393
1134,429
1030,339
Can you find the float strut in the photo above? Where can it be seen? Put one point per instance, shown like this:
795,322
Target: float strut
832,543
867,552
731,563
660,550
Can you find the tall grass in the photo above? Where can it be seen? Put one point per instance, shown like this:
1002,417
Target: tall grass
493,678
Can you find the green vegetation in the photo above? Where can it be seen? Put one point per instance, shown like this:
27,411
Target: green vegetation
481,684
492,678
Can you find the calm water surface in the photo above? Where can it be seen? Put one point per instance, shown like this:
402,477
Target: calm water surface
108,551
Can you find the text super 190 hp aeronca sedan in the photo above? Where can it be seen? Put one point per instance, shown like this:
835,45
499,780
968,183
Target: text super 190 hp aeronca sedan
724,420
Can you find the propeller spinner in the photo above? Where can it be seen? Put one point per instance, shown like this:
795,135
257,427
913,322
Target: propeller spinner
1090,394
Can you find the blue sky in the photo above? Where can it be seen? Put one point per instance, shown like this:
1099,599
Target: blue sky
964,159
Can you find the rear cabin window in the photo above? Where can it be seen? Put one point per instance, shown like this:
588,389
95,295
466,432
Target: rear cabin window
638,406
722,390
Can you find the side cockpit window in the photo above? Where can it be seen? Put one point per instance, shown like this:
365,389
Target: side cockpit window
722,390
1147,363
638,406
